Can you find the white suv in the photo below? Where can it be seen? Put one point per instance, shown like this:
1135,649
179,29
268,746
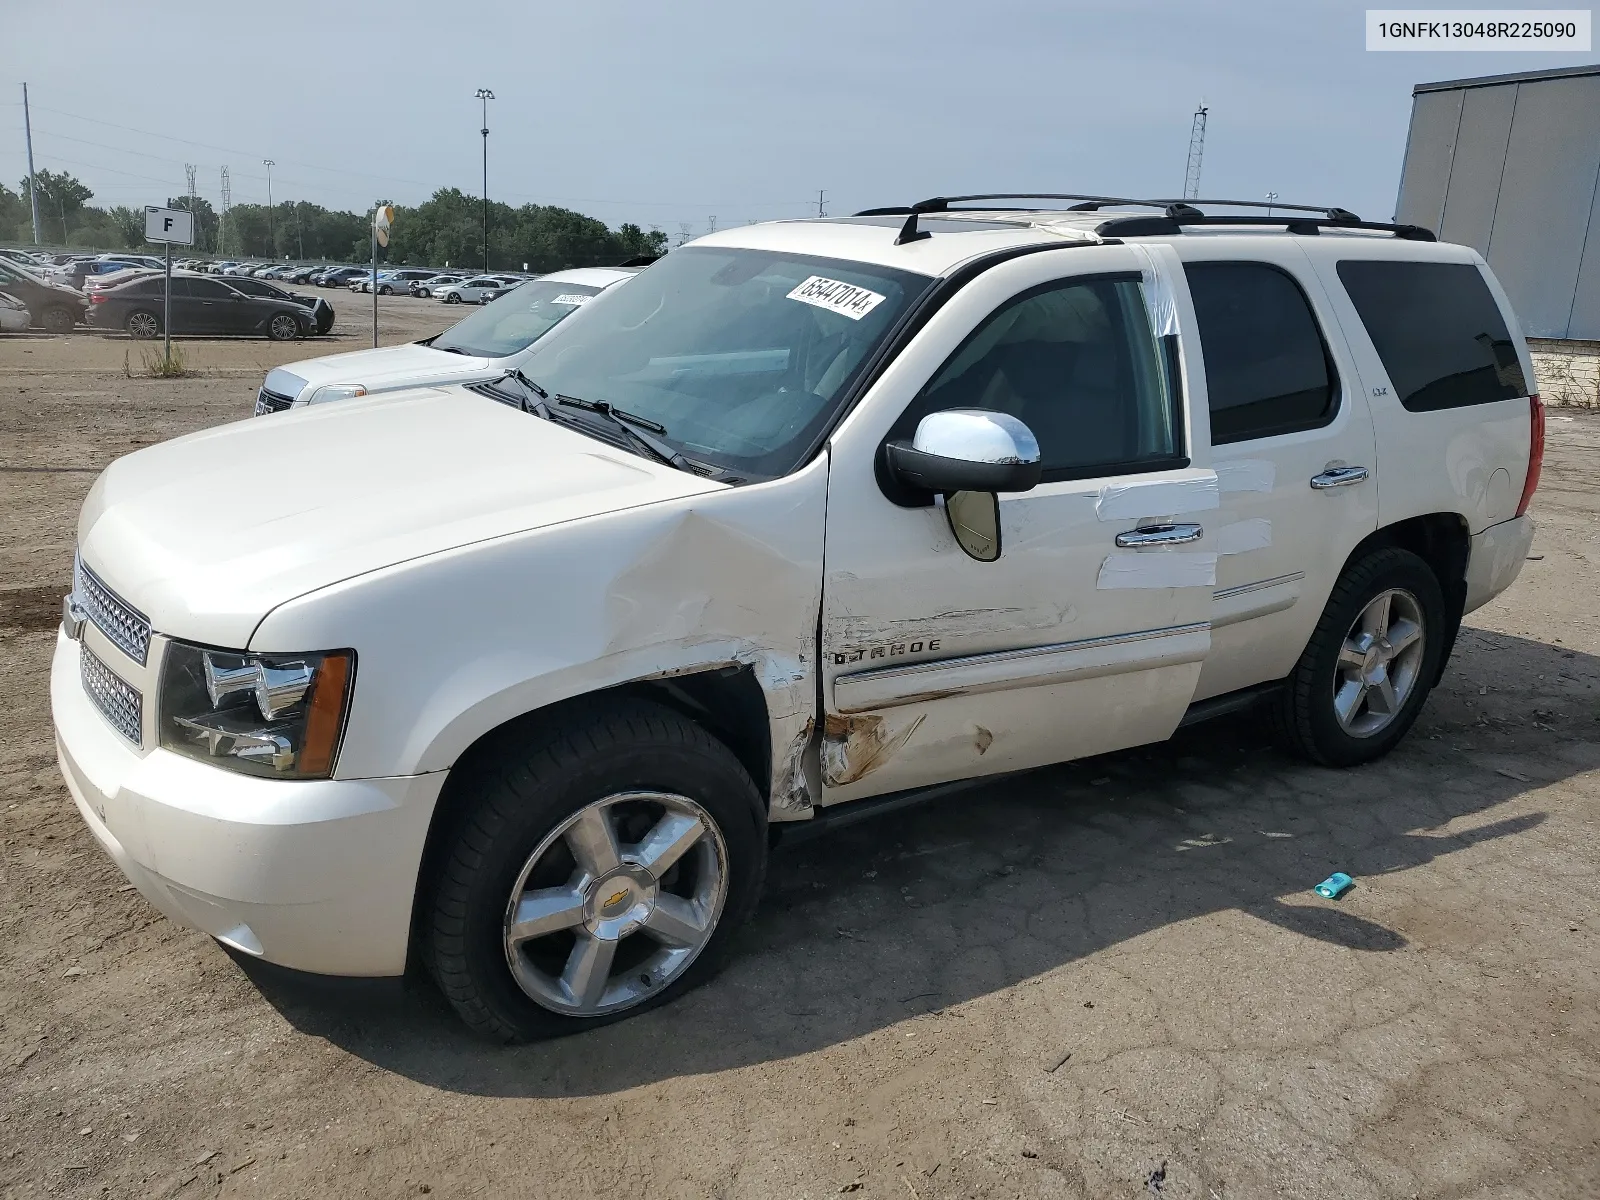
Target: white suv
524,678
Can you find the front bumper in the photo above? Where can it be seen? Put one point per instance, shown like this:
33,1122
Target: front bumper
318,876
1495,558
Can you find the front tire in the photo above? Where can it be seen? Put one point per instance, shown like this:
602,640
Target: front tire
1370,663
452,298
386,290
597,869
283,328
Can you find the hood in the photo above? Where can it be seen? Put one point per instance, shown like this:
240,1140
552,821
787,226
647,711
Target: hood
385,368
208,533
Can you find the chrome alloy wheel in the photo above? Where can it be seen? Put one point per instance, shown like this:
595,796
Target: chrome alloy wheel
616,902
1379,661
284,327
144,325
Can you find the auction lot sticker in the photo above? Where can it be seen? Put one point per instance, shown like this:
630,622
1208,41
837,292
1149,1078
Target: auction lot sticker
846,299
572,298
1565,30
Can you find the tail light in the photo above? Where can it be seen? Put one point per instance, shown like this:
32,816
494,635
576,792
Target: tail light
97,298
1535,451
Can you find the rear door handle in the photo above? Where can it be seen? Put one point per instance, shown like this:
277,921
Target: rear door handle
1159,535
1338,477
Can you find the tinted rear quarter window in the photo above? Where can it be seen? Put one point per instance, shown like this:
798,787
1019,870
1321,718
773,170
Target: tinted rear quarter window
1438,331
1267,368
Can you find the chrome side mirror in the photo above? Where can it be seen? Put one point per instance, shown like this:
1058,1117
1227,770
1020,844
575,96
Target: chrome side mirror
969,455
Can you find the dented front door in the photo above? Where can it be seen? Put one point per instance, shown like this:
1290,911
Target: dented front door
940,667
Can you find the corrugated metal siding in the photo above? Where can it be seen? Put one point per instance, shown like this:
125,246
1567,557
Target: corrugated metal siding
1425,179
1514,175
1479,164
1586,303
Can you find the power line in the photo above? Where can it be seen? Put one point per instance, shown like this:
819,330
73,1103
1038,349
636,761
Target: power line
769,204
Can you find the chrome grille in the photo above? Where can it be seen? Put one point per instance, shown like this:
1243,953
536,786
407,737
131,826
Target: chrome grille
119,703
271,402
126,626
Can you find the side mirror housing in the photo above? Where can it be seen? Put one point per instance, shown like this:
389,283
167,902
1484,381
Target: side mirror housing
969,455
967,450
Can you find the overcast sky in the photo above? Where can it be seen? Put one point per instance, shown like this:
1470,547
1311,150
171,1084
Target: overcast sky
669,113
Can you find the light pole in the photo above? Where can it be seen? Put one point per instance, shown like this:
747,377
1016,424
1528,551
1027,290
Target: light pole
485,95
1271,196
272,232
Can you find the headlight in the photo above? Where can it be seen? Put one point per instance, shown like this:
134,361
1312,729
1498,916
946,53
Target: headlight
277,715
336,391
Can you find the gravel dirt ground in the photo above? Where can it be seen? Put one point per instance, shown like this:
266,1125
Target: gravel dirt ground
1105,979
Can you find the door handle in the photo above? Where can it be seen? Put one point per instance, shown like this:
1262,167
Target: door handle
1159,535
1338,477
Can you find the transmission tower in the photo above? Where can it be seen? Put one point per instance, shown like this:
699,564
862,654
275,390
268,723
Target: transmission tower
1197,148
188,170
227,205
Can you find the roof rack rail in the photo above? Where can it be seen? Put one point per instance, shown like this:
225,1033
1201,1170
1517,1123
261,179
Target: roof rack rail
1177,216
1174,215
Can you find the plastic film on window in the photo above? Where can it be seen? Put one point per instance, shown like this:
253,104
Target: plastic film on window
1158,297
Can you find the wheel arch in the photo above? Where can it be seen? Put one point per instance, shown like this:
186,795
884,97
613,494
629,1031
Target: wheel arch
727,702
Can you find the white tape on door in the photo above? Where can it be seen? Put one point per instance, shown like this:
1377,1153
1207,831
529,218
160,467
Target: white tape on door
1246,475
1157,498
1174,569
1243,536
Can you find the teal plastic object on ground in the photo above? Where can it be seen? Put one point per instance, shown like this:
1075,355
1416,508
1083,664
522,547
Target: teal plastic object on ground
1334,886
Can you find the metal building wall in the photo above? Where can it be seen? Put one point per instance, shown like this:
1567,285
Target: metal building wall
1511,167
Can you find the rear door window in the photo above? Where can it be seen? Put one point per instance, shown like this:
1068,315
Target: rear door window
1268,370
1438,331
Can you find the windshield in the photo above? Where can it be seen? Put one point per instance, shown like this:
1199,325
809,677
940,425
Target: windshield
742,355
516,320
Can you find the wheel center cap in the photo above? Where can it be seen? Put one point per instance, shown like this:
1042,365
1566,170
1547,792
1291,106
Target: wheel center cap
618,903
1377,660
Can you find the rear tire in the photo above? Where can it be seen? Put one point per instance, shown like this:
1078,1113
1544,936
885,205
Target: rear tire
521,849
1369,665
143,324
58,320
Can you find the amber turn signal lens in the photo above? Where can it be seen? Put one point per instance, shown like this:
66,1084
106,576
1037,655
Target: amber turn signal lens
325,721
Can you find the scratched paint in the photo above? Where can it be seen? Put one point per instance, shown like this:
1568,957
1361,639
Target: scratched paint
854,747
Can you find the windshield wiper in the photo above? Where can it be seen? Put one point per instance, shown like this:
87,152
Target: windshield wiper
446,349
633,428
537,407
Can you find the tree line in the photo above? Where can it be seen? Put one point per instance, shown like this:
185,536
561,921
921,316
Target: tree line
444,230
